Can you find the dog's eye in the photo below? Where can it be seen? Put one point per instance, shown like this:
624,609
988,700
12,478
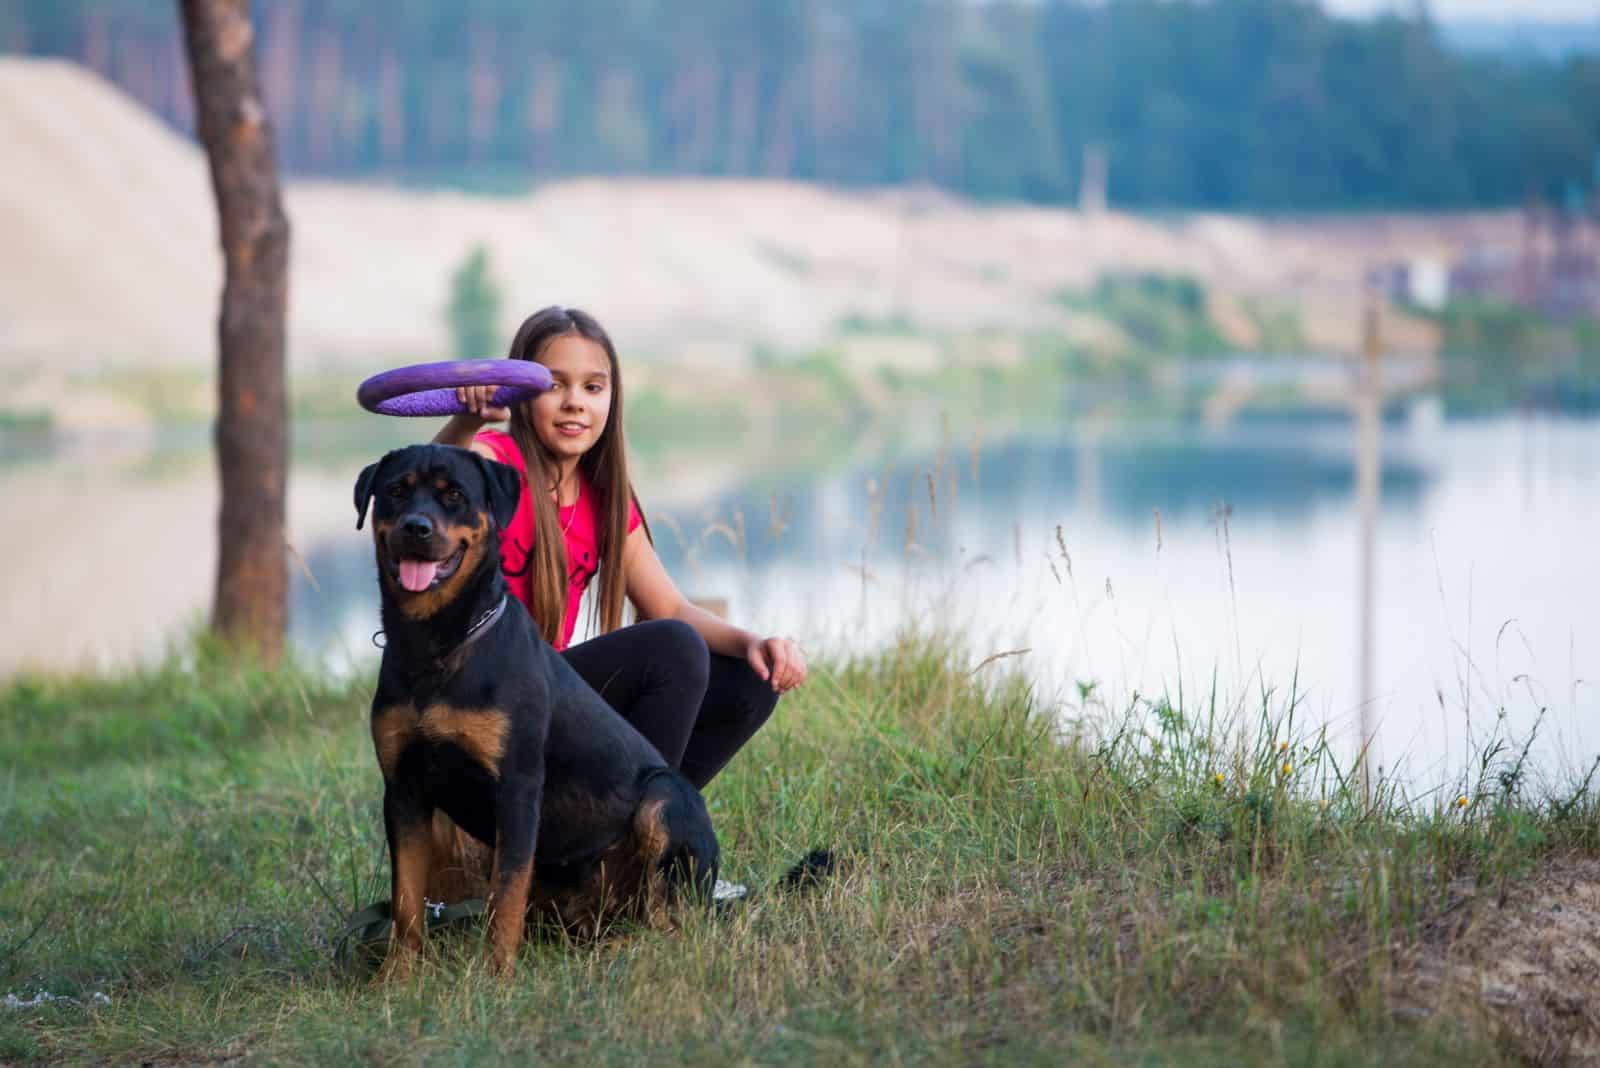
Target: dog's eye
397,489
452,497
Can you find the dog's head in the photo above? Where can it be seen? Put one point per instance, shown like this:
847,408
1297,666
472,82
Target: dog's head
435,513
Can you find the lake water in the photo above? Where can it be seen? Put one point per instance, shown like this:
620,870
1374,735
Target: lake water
1140,559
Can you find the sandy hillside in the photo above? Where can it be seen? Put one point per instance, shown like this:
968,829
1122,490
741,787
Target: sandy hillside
108,243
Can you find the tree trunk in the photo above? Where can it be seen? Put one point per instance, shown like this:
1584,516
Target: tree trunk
251,605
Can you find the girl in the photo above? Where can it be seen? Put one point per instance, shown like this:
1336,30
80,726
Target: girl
694,685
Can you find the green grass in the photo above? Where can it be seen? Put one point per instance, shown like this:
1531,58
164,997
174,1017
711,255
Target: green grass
1161,314
1018,884
1278,324
25,421
1495,354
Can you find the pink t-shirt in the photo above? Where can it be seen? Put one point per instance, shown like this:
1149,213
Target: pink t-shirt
579,522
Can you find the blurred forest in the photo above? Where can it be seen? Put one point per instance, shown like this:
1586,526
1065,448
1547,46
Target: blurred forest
1233,104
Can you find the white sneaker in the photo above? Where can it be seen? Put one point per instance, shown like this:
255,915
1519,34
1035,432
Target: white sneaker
726,891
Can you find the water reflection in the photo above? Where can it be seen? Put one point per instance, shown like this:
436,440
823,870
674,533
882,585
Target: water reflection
1052,543
1149,562
1118,479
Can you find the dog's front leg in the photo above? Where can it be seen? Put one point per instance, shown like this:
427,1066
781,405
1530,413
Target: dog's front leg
407,821
511,883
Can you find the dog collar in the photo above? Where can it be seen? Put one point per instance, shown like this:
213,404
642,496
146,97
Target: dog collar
451,660
484,622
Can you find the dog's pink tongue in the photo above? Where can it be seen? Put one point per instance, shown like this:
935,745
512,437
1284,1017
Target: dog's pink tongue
417,575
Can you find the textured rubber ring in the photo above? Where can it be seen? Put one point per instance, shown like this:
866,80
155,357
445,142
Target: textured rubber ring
430,388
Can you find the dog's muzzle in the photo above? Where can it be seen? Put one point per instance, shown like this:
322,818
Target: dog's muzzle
419,557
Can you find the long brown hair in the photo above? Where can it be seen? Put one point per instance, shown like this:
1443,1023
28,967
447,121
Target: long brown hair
604,467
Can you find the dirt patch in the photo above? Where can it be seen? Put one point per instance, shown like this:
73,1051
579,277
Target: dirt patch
1526,966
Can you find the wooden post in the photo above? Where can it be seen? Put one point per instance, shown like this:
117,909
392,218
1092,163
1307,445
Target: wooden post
1369,393
251,604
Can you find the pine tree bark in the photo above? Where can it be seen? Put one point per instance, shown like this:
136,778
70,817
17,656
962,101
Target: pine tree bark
250,609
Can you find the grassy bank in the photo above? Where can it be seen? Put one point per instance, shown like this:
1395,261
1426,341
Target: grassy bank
1018,884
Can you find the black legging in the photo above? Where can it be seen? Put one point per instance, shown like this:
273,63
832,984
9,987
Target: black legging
697,707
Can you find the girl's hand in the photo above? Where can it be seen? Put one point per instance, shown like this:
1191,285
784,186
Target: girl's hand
779,661
476,399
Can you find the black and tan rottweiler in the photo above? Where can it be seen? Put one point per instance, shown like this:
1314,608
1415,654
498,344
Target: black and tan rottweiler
479,724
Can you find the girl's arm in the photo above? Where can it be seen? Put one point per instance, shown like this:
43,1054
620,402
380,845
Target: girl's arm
462,430
655,596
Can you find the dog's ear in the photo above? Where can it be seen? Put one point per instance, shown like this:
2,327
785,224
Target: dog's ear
504,487
367,482
364,481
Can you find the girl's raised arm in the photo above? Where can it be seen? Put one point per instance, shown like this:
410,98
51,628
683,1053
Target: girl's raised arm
462,430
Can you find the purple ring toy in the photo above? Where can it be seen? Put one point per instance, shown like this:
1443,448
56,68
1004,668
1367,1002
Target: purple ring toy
430,388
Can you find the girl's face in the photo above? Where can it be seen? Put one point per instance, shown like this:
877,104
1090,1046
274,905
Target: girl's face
570,416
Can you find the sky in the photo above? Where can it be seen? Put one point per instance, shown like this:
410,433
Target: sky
1497,9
